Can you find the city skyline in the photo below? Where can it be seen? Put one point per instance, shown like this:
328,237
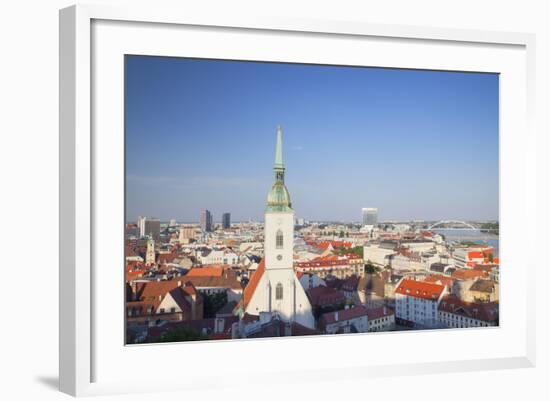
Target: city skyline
257,281
190,147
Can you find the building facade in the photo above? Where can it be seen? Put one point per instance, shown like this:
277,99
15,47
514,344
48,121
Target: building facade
340,266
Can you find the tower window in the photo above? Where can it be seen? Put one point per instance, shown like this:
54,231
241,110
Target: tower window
279,292
279,239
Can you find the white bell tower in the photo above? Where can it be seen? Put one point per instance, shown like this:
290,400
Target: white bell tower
279,217
279,291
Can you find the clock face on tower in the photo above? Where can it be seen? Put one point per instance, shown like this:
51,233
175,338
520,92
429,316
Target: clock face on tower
279,257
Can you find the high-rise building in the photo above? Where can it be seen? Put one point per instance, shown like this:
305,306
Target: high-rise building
226,220
149,227
206,220
274,287
370,216
141,226
172,223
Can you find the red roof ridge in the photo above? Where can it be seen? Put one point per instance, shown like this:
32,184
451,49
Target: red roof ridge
253,283
420,289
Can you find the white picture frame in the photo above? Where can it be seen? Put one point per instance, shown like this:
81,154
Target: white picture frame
84,353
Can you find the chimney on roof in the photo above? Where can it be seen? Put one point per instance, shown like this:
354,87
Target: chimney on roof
336,316
179,283
385,311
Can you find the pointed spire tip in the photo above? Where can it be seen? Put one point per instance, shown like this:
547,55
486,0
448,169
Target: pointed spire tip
279,149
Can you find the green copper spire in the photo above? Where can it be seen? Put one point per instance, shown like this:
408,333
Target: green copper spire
279,163
278,199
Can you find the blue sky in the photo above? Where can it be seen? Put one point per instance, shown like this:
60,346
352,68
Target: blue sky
415,144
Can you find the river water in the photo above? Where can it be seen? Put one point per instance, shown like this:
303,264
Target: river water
471,235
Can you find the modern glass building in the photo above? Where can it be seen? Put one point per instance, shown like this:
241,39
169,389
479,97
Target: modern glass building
226,220
370,216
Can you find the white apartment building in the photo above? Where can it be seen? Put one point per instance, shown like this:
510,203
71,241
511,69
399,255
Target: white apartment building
218,256
403,262
463,257
416,302
377,255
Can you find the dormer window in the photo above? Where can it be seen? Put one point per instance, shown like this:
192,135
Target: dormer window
279,239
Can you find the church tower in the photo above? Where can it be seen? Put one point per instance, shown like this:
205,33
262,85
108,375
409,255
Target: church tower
150,253
274,287
279,217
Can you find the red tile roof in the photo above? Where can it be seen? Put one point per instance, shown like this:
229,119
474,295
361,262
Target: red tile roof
218,277
214,271
379,312
344,314
320,296
439,279
476,255
329,260
487,311
326,244
467,274
253,283
420,289
133,274
155,291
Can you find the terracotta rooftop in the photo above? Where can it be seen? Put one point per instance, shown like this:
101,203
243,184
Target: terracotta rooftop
329,260
214,271
487,311
325,296
420,289
379,312
253,283
467,274
439,279
344,314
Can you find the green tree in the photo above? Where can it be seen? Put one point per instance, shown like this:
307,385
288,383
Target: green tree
370,268
213,303
181,334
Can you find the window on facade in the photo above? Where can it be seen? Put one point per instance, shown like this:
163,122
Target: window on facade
279,291
279,239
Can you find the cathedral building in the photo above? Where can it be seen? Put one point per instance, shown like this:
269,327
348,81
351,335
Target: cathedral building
274,286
